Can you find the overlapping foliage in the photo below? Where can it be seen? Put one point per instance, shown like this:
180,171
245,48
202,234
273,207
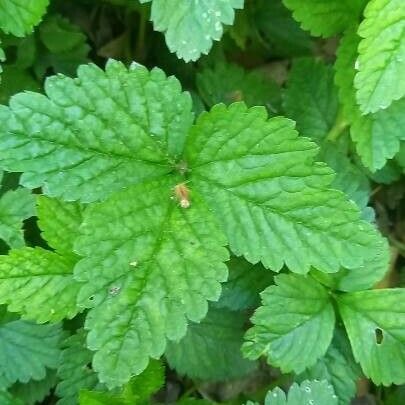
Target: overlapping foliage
145,216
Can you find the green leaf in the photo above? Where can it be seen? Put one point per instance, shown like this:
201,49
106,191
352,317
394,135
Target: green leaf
64,47
282,34
27,349
308,392
377,136
228,83
211,349
381,63
349,177
326,18
8,399
375,323
14,80
338,368
96,134
245,282
147,269
311,98
38,284
75,372
260,180
19,17
15,207
34,391
142,386
190,26
294,326
59,222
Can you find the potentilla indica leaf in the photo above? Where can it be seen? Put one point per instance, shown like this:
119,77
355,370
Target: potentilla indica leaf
28,349
75,372
381,63
38,284
147,270
271,197
326,17
308,392
375,323
18,17
294,326
59,222
95,134
190,26
15,206
377,136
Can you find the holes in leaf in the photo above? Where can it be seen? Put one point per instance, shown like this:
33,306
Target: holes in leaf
91,298
379,337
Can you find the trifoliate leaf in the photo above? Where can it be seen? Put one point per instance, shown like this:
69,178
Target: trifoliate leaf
34,391
190,26
377,136
59,222
75,372
15,207
227,83
381,63
96,134
308,392
260,179
282,34
338,368
211,349
38,284
27,349
294,326
375,321
147,269
20,17
245,282
326,17
311,98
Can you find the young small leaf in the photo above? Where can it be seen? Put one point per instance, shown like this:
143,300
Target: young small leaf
308,392
294,326
375,321
190,26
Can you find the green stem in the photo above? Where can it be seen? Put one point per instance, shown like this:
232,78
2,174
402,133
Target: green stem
340,125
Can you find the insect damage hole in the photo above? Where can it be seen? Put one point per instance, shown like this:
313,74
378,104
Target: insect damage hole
182,194
379,336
